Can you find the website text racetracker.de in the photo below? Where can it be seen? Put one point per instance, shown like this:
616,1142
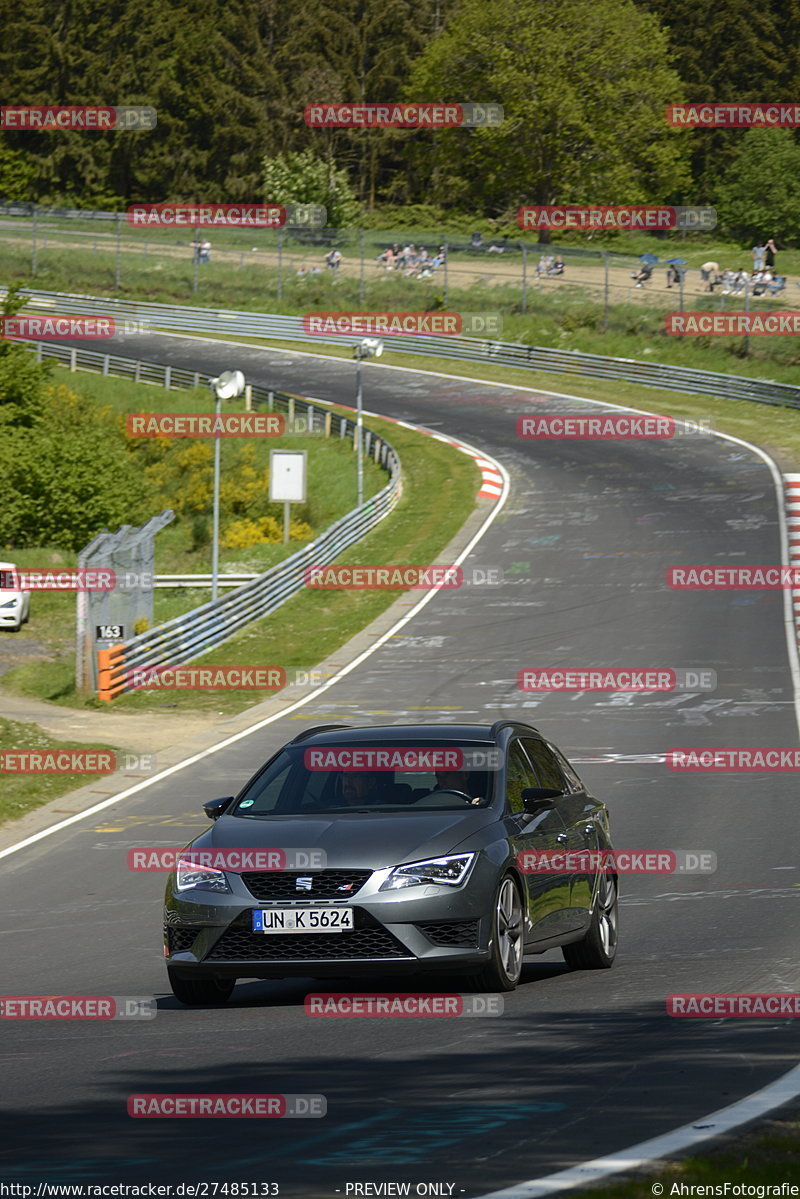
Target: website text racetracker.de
51,327
706,575
567,425
398,324
612,217
734,115
732,324
82,118
413,758
755,757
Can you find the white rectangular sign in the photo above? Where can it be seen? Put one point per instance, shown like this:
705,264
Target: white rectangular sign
287,476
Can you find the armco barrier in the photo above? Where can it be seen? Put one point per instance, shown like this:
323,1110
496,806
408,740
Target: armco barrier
195,633
535,358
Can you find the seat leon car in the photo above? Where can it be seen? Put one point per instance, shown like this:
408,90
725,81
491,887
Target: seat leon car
367,851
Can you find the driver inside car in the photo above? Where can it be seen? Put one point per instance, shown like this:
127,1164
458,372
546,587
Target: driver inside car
457,780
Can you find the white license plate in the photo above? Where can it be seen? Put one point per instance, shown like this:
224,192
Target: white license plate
303,920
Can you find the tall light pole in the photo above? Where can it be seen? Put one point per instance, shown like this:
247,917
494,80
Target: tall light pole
370,347
225,387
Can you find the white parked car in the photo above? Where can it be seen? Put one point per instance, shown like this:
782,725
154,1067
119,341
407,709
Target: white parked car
15,605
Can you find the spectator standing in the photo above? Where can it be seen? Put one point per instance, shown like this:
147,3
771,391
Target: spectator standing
706,271
758,253
332,260
769,256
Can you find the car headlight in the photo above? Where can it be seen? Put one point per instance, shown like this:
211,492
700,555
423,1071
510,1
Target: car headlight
11,603
206,878
450,870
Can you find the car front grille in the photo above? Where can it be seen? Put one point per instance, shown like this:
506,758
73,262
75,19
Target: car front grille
463,933
240,945
325,884
179,940
369,939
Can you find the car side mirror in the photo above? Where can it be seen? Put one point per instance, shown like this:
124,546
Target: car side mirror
539,799
215,807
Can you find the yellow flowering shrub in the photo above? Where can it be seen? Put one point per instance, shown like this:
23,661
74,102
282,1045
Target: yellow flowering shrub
266,530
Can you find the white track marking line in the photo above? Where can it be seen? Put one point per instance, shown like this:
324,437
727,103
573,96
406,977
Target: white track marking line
775,1094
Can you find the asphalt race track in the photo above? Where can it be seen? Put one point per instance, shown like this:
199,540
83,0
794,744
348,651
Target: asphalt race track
581,1064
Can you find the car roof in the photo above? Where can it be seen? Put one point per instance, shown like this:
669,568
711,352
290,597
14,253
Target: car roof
407,733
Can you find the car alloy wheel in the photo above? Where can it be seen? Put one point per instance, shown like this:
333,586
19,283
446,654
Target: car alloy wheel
502,971
598,948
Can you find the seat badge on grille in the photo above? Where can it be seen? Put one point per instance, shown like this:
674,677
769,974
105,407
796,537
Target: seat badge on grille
303,884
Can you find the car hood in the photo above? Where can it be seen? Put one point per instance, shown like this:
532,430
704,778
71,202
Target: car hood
352,840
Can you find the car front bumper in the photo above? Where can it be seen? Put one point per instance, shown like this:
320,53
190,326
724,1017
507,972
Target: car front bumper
438,927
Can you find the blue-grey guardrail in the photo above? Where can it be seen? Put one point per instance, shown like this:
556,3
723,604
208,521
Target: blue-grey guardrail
535,358
196,632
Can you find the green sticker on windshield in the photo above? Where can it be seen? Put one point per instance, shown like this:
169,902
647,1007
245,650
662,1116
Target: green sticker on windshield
247,803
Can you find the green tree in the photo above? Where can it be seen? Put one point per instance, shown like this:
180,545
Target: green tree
305,179
726,52
22,378
68,475
759,194
583,86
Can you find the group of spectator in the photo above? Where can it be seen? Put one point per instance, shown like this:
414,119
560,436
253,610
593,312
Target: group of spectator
412,261
548,265
763,278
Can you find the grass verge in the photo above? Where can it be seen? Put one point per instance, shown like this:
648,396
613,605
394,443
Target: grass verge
22,793
767,1156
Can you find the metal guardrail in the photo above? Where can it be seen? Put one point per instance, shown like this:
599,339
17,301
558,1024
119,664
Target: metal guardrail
223,580
534,358
196,632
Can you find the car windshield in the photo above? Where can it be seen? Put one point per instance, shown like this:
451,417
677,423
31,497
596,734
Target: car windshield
314,780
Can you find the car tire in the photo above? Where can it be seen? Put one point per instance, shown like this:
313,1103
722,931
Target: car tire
502,971
597,950
200,992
